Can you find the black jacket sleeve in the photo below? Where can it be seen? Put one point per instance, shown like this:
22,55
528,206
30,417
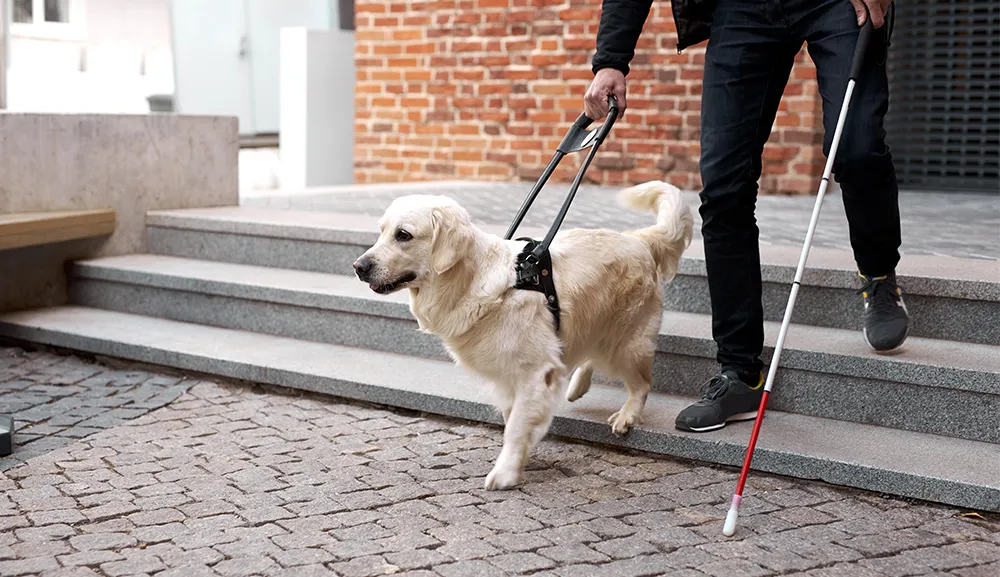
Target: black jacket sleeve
621,24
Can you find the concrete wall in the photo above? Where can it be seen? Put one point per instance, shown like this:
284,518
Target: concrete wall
132,164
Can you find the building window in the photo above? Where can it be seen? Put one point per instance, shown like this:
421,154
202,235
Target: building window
57,11
345,9
54,19
23,11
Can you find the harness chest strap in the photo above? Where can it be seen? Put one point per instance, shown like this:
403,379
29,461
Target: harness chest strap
534,272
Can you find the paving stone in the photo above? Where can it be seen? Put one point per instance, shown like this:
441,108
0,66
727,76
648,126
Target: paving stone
469,569
29,549
897,566
522,562
512,523
239,566
365,567
518,541
188,571
89,558
735,568
10,522
349,550
638,567
55,516
304,556
625,547
668,538
315,570
97,541
239,479
73,572
158,533
157,517
459,532
45,533
468,549
573,553
150,505
883,545
179,557
109,511
133,566
843,570
408,540
33,565
989,570
110,526
417,559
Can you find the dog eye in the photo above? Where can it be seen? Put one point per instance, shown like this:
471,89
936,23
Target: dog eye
403,236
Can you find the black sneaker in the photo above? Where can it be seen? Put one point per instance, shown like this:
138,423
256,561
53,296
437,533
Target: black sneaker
724,398
886,319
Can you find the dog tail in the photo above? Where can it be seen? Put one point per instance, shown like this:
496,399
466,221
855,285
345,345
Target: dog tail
671,234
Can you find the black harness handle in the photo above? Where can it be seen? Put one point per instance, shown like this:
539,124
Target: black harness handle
534,264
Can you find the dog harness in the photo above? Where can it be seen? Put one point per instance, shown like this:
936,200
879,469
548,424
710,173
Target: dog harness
534,263
534,273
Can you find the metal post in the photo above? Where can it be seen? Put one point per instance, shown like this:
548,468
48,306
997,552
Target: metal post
6,421
5,16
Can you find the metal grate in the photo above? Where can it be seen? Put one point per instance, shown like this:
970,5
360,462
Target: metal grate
943,122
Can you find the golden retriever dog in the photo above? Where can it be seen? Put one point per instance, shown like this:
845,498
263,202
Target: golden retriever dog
609,286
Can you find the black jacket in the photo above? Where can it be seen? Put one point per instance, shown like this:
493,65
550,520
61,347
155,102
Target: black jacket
622,21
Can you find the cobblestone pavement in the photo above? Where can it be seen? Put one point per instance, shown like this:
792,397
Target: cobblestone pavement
949,224
232,480
59,399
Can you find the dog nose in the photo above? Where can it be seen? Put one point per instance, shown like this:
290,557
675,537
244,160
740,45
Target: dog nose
363,266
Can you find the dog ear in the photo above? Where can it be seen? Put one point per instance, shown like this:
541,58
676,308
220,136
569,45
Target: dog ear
452,238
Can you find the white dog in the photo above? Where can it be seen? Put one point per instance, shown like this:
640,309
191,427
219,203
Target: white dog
609,286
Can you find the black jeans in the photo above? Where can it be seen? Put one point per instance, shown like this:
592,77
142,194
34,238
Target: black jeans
749,56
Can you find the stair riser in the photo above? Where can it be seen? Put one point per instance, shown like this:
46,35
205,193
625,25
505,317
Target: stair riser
680,369
315,256
299,322
702,448
966,320
953,413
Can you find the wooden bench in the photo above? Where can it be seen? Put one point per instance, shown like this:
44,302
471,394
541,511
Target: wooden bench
36,228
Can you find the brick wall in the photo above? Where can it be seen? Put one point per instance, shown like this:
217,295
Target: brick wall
485,90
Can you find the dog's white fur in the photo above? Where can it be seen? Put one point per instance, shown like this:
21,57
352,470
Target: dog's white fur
609,286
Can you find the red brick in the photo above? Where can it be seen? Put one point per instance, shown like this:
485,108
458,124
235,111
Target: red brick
402,34
485,89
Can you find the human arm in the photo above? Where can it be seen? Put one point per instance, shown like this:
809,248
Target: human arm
618,33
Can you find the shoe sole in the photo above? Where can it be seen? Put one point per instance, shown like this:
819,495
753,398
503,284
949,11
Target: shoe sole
736,417
906,333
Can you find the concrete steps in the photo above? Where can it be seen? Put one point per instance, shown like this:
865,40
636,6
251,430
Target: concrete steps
950,299
931,467
826,372
269,296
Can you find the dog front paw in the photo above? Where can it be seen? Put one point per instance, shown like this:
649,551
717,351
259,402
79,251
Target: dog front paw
501,478
622,421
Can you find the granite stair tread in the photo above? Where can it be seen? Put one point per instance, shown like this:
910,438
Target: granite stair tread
924,274
921,361
954,471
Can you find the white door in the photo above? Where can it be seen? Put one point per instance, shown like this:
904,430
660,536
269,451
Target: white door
211,45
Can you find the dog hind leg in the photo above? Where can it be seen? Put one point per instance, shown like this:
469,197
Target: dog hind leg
637,373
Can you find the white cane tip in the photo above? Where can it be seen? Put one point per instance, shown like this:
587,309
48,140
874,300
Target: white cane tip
730,527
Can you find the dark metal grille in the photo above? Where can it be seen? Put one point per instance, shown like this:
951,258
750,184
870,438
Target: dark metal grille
943,122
